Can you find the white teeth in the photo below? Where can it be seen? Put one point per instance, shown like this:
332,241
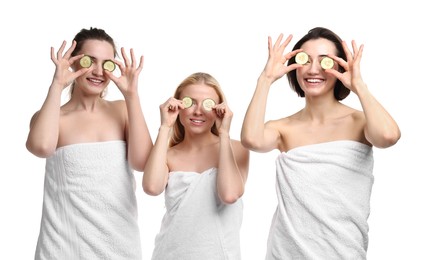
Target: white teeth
314,80
95,80
197,121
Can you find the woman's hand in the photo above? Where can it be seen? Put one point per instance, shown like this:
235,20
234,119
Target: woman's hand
169,111
351,78
224,117
276,63
128,81
64,75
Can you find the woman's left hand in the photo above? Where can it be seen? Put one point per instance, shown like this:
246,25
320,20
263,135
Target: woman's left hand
351,78
128,81
224,117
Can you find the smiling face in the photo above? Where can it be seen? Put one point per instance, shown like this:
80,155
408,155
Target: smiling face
312,77
94,81
197,119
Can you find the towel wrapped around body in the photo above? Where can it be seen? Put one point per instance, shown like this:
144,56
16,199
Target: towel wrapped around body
197,225
323,202
89,204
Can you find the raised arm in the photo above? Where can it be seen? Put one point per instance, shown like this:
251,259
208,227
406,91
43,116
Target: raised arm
233,160
44,126
255,134
139,142
380,130
155,176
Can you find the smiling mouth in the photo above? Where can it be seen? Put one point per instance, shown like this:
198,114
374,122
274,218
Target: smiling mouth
197,121
314,80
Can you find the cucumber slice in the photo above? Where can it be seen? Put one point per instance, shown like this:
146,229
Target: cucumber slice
109,65
327,63
187,102
301,58
208,104
85,61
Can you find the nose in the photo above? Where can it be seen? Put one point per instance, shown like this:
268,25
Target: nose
197,109
97,69
314,67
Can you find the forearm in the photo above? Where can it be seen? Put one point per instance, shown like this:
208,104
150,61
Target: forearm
139,140
381,130
44,128
230,183
253,124
156,171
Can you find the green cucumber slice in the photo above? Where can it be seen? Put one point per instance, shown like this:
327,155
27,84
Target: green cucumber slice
301,58
208,104
109,65
85,61
327,63
187,102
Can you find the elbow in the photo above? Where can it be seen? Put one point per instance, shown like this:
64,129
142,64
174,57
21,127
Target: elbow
230,197
389,139
138,166
42,151
152,190
249,143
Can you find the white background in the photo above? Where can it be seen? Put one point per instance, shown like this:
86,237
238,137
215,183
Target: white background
227,39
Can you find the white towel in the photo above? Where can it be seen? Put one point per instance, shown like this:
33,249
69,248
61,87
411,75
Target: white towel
323,202
89,205
196,225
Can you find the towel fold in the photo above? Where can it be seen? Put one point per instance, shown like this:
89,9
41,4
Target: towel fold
323,202
196,224
89,204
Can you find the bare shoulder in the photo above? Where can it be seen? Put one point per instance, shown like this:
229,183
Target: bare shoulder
118,104
281,124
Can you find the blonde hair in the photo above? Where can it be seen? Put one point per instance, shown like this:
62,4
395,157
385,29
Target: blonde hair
196,78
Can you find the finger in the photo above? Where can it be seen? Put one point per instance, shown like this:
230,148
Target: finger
124,55
347,51
70,50
285,43
360,52
119,64
354,45
52,55
140,64
277,43
73,59
59,53
133,58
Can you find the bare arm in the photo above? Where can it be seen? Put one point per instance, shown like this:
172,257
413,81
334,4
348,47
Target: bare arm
256,135
233,159
380,130
44,126
139,142
155,176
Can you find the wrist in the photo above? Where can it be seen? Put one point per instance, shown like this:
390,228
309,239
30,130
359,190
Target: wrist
224,135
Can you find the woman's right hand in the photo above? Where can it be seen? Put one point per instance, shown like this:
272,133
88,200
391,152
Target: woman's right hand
64,76
276,66
169,111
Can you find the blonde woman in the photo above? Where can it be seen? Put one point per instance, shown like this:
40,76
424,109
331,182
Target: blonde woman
202,171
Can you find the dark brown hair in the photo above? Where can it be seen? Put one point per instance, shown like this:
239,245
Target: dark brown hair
91,34
340,91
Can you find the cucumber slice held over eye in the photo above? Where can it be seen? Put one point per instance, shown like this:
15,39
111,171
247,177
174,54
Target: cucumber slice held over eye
109,65
85,61
301,58
327,63
208,104
187,102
